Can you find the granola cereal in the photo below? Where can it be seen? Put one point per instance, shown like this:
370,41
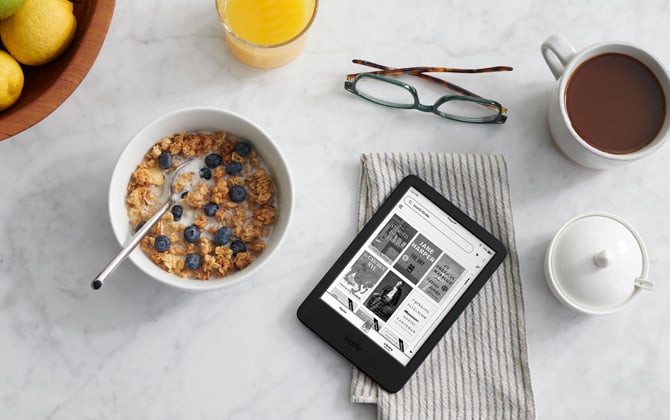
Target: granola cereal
226,211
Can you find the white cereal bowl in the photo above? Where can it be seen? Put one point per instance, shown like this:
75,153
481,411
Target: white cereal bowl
200,119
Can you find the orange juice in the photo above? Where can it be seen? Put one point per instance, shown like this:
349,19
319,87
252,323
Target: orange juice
266,33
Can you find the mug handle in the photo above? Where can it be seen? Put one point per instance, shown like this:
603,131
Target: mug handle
557,52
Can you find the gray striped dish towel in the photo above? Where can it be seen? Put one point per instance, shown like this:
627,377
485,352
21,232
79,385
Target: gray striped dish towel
479,370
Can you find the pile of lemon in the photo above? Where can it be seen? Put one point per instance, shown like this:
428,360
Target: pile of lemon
33,33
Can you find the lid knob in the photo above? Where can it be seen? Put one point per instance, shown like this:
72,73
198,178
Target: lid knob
603,259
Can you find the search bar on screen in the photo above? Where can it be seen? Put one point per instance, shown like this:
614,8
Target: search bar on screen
440,225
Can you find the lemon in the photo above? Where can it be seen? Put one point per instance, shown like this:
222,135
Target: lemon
11,80
39,31
9,7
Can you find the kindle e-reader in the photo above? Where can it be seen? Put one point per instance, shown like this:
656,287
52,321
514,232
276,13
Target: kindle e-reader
401,283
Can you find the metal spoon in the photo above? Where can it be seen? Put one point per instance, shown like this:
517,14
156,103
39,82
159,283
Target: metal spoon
139,235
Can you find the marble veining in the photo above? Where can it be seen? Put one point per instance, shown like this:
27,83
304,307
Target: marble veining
138,349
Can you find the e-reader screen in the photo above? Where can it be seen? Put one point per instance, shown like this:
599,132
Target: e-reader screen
407,276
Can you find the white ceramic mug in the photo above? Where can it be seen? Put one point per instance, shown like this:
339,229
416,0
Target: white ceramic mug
563,60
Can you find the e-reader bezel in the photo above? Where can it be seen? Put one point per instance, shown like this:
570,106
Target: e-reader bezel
354,344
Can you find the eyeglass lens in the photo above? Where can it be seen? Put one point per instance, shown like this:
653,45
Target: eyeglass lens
384,91
467,110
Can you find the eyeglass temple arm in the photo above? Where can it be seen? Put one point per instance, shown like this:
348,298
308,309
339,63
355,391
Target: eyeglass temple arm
419,72
434,69
390,71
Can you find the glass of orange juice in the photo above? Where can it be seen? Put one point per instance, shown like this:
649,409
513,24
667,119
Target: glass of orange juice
266,33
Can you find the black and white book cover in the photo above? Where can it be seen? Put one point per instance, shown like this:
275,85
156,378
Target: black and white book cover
393,238
387,296
440,279
364,273
417,259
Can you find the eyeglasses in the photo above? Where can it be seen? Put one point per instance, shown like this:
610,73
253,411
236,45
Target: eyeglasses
380,88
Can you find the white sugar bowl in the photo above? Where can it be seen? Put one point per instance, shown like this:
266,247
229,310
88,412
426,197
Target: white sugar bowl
597,263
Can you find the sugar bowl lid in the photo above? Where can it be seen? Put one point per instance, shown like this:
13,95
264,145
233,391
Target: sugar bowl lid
597,263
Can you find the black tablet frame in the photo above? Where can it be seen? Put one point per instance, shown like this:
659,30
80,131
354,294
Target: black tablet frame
352,343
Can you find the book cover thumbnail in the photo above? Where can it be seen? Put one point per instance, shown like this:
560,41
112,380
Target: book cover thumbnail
388,296
393,238
440,279
363,275
417,259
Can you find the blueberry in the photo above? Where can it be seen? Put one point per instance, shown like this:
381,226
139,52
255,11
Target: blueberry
205,173
177,212
139,225
213,160
233,168
238,246
237,193
242,148
211,209
193,261
223,235
184,194
162,243
165,160
191,233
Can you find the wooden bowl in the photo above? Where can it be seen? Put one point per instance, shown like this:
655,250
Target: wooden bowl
47,86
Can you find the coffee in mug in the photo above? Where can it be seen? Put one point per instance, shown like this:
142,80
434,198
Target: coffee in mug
611,103
615,103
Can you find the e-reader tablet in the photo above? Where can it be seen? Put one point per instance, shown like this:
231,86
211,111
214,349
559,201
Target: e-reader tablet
401,283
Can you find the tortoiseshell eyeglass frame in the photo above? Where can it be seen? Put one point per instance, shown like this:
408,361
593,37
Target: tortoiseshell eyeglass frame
500,118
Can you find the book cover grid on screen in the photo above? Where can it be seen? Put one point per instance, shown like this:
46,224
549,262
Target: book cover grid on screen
403,281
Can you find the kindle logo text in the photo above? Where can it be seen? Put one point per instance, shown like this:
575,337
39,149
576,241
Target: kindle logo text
352,343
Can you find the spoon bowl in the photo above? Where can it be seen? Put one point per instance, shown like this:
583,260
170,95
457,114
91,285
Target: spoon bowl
143,229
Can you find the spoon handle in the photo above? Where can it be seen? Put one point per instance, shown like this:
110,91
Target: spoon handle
126,250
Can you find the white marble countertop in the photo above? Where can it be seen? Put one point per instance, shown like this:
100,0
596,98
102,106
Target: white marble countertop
138,349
